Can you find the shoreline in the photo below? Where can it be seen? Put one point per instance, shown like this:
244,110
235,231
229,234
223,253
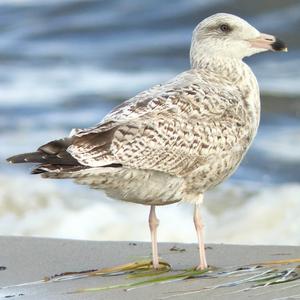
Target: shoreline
26,259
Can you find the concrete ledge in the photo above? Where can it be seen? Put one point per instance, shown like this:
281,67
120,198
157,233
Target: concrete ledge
24,259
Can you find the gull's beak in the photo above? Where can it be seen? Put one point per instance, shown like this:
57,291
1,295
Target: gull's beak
269,42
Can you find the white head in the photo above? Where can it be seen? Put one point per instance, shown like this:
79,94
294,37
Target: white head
229,36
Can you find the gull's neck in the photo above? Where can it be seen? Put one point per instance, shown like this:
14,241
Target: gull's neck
232,69
231,72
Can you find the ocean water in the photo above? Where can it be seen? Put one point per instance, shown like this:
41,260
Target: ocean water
65,64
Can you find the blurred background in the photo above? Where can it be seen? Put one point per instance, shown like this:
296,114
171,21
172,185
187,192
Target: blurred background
66,63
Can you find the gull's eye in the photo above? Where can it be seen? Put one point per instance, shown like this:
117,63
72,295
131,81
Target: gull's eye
225,27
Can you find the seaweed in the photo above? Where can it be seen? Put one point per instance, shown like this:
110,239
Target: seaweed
140,274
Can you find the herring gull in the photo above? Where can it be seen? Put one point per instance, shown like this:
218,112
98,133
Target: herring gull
176,140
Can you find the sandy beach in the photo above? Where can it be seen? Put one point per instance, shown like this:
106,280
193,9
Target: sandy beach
24,260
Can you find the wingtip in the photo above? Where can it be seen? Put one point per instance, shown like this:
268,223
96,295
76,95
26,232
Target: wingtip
10,160
24,158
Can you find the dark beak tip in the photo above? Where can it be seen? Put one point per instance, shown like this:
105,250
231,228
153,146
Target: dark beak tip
279,45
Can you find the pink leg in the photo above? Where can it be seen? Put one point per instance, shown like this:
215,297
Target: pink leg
153,224
199,229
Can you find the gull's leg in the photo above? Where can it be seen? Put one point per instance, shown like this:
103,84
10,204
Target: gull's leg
199,229
153,224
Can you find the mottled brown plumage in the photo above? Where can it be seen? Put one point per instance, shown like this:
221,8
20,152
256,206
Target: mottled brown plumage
176,140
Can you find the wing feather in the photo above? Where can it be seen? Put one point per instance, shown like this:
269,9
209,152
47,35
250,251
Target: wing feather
172,128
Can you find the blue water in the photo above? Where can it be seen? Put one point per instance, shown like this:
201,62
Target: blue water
65,64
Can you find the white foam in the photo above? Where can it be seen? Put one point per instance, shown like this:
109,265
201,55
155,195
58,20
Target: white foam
36,207
271,216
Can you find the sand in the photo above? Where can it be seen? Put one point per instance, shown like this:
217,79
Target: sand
24,259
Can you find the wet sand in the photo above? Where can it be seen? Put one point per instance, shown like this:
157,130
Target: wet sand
24,259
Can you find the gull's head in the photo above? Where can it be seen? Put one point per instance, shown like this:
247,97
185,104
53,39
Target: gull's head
229,36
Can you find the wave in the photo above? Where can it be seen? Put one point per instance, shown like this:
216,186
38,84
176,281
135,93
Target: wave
279,76
232,214
28,86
